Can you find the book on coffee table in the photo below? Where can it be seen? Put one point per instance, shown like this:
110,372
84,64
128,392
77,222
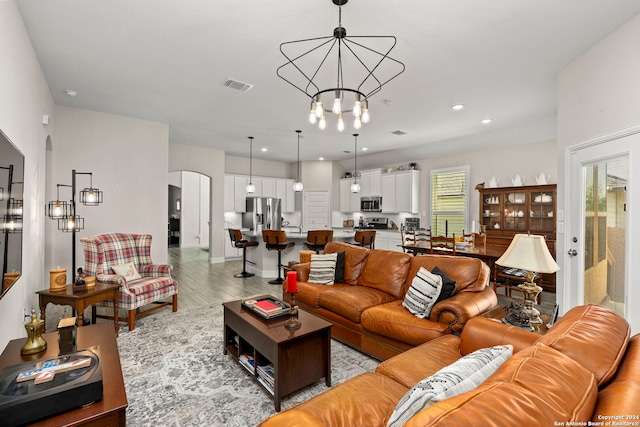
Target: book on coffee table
267,306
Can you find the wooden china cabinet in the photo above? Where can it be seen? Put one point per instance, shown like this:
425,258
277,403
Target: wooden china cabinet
507,211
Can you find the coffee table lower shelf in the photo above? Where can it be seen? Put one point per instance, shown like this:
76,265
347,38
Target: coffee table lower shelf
298,357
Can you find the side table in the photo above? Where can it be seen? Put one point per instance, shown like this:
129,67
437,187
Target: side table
498,313
81,300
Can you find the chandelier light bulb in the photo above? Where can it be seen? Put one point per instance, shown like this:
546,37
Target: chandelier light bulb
312,116
323,123
57,210
340,123
91,197
70,223
365,112
337,104
357,123
319,108
357,106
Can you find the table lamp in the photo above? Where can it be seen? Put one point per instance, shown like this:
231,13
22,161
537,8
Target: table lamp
530,253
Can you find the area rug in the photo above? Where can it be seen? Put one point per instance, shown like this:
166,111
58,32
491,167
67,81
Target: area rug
176,374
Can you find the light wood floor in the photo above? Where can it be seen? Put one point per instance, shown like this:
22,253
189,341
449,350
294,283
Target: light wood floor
201,283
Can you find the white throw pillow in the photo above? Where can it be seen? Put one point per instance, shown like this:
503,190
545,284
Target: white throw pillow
462,376
323,268
127,270
423,293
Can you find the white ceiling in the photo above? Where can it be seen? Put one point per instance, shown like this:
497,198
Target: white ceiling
165,60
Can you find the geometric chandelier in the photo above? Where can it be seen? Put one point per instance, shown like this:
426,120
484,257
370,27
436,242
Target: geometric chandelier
348,79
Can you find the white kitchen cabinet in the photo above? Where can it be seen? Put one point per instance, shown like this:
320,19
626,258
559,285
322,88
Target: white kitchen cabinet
395,241
268,187
401,192
229,192
370,183
349,202
284,192
240,193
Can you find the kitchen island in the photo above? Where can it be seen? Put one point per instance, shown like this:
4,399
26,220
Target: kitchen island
263,263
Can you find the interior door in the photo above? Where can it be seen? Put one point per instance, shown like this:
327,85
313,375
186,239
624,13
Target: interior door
599,226
317,211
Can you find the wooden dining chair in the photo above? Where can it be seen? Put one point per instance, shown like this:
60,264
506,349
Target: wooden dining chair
443,244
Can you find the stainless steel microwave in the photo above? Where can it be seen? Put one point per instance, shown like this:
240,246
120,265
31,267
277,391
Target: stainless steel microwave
371,204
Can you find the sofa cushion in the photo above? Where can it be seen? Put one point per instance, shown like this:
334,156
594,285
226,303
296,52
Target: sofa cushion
594,336
386,271
323,268
354,258
394,321
411,366
364,401
448,285
309,293
538,386
461,376
423,293
351,301
470,274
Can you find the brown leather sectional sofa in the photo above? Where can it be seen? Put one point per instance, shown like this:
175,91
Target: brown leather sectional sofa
584,369
366,310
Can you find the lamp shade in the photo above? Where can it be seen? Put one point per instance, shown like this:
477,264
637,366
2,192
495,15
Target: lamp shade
528,252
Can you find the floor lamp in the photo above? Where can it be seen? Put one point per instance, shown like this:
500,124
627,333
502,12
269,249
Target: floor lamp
65,213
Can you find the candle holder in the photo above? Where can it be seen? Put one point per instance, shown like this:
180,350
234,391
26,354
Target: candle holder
293,322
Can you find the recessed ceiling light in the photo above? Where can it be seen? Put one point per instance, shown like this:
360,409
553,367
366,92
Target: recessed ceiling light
71,93
457,107
364,148
263,149
486,121
321,158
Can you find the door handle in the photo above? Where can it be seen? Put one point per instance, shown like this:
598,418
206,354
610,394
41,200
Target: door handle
572,252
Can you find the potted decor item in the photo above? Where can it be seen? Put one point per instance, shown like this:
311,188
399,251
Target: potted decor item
412,165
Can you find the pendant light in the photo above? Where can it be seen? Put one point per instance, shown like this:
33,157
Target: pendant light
355,187
250,189
297,186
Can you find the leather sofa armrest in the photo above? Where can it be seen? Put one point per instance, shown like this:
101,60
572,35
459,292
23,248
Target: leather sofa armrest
458,309
303,270
482,332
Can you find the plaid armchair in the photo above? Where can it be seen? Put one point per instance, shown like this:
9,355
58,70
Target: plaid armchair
105,251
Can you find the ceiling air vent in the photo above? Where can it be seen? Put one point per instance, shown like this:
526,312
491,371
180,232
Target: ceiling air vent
238,85
398,132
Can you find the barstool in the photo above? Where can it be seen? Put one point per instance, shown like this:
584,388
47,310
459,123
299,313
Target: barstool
238,242
365,238
318,239
276,240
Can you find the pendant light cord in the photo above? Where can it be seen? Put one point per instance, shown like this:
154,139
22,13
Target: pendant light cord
355,172
250,160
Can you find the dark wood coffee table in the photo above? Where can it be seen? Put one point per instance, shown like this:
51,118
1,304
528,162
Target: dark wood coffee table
111,410
300,356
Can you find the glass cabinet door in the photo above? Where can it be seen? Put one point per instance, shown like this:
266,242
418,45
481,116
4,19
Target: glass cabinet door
491,208
515,215
541,213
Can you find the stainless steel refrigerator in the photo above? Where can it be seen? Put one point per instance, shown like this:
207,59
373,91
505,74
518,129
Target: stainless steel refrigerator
263,213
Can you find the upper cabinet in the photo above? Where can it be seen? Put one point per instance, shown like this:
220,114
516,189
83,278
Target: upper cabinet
349,202
370,183
401,192
510,210
235,193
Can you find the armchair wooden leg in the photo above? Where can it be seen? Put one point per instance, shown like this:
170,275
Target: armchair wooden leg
132,320
175,303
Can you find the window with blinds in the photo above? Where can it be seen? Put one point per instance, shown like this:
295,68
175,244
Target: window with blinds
449,200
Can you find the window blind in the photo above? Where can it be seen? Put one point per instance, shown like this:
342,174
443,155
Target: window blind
448,202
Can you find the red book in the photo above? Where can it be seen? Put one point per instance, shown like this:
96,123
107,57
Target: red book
267,306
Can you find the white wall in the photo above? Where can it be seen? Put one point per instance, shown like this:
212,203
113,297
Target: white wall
194,214
240,165
599,94
129,161
24,98
209,162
